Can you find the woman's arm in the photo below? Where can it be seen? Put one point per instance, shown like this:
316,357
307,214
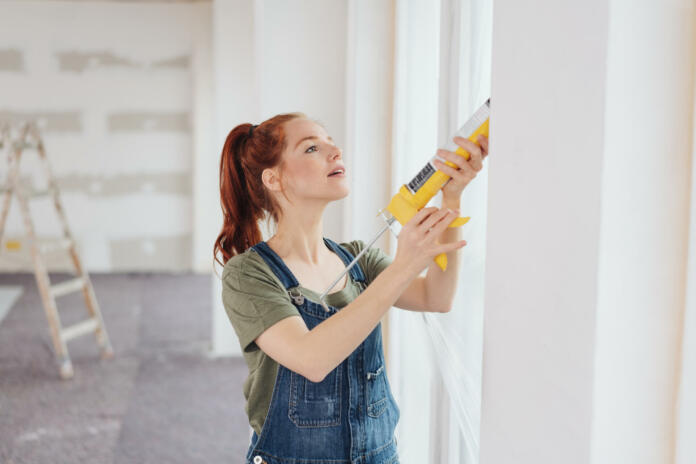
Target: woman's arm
314,353
440,286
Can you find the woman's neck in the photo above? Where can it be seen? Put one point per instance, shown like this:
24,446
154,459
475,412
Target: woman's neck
305,245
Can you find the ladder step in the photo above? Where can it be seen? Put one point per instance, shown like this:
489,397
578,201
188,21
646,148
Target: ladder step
68,286
23,145
36,193
81,328
48,247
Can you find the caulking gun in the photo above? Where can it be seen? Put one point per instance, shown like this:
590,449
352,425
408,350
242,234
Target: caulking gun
415,195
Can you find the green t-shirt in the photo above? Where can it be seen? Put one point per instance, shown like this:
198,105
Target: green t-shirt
255,299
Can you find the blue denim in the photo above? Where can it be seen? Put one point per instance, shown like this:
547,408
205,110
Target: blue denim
349,417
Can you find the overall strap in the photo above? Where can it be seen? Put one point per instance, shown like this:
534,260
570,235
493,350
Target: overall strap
276,264
355,271
286,276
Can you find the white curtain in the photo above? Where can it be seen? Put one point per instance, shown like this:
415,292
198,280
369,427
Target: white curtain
442,76
414,141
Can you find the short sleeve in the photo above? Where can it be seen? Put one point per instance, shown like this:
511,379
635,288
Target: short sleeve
373,262
254,300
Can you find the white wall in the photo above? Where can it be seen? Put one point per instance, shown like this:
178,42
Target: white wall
114,83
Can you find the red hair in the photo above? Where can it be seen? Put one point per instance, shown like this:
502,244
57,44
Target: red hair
243,196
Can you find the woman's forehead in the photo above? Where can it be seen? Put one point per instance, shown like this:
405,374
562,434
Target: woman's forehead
301,128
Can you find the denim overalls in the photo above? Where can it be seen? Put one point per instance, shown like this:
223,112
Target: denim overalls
349,417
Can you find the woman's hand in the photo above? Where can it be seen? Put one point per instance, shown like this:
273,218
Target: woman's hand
417,246
466,171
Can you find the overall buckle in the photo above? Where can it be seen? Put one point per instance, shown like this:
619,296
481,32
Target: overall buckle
297,297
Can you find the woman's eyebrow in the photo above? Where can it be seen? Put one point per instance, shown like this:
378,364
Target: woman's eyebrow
309,138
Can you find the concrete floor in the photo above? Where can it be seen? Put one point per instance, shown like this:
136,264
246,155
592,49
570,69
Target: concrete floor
161,400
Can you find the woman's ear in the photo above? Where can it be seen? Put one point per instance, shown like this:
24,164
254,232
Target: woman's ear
270,179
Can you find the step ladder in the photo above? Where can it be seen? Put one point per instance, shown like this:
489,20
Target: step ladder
13,142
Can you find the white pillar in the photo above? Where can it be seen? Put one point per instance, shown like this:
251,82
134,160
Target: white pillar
587,230
547,102
236,102
206,204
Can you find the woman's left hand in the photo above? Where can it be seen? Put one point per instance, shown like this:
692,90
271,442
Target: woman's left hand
466,171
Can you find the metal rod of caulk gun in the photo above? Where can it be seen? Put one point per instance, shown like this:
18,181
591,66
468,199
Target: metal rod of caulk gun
352,263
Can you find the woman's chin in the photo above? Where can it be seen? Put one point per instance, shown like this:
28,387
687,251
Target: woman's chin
342,193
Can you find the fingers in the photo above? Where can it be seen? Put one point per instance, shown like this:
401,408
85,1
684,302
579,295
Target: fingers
458,160
420,244
465,171
435,219
423,214
483,141
473,163
472,147
476,159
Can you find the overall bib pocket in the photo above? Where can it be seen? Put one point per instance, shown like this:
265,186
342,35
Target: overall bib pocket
376,391
315,404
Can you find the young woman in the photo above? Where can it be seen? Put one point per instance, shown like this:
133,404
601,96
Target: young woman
317,390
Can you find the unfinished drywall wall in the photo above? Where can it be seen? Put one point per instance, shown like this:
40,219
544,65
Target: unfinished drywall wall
112,85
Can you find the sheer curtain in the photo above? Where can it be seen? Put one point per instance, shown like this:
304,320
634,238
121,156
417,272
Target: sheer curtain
442,75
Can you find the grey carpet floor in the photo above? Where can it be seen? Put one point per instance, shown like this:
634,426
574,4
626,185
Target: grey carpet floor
161,399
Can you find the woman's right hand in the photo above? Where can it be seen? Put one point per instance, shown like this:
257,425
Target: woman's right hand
417,242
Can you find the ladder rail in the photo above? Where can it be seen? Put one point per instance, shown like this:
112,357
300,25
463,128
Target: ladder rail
7,190
32,131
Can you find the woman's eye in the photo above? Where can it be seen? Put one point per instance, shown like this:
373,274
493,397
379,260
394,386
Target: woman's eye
313,146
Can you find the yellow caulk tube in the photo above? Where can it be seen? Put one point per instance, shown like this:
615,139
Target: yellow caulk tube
413,196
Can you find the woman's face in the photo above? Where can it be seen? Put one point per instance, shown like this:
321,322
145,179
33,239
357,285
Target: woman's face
309,158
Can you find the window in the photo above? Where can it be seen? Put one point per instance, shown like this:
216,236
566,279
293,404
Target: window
442,75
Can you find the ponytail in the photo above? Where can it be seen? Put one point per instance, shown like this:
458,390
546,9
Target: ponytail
243,196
